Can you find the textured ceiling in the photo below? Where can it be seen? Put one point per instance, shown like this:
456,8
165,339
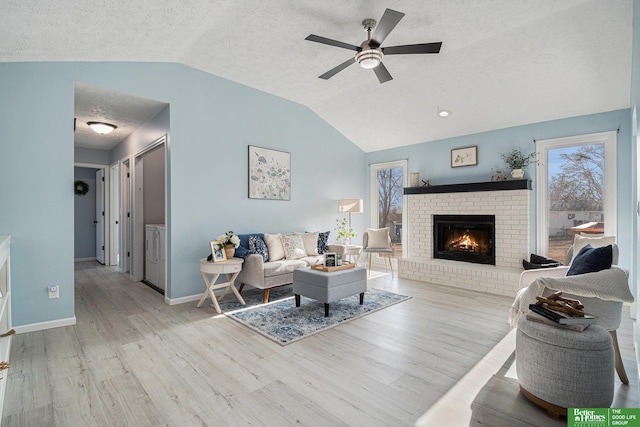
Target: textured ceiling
503,62
103,105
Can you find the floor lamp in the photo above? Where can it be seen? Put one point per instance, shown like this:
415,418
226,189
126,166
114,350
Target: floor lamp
350,205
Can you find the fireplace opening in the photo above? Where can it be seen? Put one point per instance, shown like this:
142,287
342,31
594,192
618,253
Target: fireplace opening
468,238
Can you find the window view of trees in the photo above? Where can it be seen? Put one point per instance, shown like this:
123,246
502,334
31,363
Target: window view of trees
390,205
576,190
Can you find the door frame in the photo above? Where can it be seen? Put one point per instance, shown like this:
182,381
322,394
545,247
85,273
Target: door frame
107,209
609,139
373,182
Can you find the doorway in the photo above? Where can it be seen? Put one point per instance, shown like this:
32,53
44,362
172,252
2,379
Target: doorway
149,208
91,213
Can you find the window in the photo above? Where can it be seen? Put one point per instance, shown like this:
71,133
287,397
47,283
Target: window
387,183
576,190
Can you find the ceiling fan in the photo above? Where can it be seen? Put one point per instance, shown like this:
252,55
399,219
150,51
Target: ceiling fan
369,54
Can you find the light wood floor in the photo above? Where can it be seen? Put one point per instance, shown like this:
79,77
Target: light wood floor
132,360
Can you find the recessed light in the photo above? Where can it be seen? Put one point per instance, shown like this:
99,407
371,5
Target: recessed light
101,127
443,113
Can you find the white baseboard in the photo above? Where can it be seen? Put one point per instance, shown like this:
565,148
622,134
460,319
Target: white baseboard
84,259
32,327
182,300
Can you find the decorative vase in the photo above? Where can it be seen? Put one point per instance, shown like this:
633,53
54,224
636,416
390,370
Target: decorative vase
414,179
346,241
517,174
229,251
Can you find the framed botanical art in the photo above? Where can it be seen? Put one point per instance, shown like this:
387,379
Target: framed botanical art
217,251
269,174
466,156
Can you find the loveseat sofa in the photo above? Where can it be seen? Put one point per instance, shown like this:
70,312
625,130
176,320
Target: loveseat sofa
270,259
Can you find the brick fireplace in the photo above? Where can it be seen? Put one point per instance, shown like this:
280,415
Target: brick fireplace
508,201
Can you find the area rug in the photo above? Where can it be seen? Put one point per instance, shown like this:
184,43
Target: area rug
284,323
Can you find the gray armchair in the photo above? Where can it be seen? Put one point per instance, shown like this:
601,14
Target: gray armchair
609,312
379,243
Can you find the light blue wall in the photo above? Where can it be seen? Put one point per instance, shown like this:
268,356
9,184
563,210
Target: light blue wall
91,156
212,122
432,159
84,214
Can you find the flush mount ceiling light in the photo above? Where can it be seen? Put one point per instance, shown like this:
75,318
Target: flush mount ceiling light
101,127
443,113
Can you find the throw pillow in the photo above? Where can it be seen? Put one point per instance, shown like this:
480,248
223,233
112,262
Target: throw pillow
310,241
323,242
378,238
257,245
595,242
590,260
293,246
242,252
274,246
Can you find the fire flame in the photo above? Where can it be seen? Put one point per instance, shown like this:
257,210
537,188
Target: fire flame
464,243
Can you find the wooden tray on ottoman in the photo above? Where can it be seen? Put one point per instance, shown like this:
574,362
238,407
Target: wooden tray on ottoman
321,267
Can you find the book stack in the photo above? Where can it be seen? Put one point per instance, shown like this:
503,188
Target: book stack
541,313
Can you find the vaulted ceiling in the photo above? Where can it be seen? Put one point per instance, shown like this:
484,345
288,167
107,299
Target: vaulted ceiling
503,62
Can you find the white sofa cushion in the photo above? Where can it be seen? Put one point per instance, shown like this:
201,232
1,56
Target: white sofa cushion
274,245
277,268
310,241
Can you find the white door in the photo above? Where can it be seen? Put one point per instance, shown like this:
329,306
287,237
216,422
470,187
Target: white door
114,206
125,217
137,247
100,216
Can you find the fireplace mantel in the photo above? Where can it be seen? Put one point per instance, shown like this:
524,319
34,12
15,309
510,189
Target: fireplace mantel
518,184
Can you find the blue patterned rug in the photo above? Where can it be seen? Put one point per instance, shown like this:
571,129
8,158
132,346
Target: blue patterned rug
284,323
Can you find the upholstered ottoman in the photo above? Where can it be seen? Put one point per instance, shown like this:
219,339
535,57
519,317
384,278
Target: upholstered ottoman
328,287
559,368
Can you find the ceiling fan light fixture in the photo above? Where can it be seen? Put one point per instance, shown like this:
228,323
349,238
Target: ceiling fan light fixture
102,127
369,58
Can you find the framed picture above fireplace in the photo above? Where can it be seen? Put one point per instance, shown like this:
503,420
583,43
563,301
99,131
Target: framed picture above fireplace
465,156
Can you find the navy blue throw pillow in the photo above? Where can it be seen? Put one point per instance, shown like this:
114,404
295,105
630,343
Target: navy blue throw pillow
257,245
242,252
590,260
323,242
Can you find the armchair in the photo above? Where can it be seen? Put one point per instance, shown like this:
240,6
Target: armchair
608,311
377,242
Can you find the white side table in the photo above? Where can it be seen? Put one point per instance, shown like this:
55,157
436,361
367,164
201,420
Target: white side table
353,251
231,268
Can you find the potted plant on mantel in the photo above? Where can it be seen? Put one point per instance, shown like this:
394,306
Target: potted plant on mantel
517,161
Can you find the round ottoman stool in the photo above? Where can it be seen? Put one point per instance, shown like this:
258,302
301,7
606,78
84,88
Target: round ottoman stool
559,368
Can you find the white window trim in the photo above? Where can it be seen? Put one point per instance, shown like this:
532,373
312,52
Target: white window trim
609,139
374,167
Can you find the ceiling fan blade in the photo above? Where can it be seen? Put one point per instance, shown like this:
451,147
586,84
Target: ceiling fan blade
330,42
382,73
332,72
388,22
412,48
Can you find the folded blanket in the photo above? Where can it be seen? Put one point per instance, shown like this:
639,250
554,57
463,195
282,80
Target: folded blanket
611,284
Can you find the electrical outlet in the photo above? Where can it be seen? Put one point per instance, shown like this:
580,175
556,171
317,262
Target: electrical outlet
54,292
